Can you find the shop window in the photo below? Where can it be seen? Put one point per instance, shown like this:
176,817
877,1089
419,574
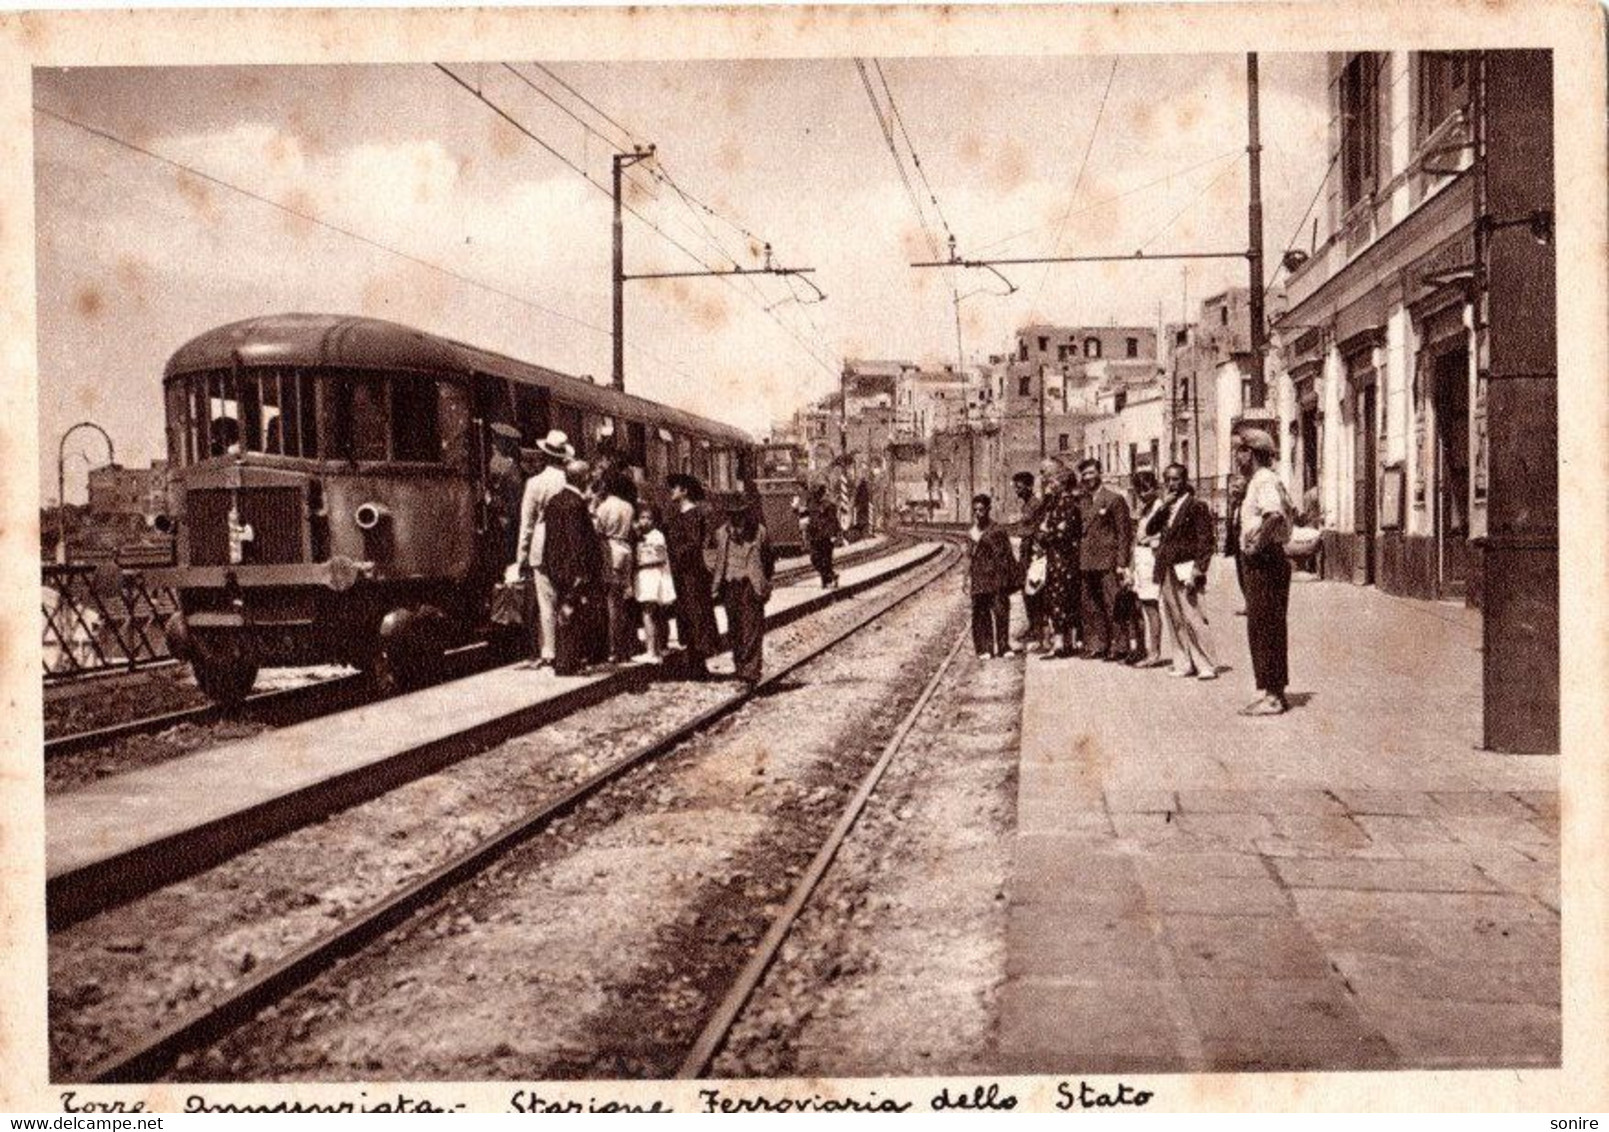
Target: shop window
1360,128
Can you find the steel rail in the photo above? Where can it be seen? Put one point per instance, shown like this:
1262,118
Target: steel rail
272,983
725,1016
339,692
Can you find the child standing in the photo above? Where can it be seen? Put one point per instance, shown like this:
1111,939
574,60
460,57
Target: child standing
654,591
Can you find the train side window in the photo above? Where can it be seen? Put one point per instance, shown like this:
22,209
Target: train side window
178,425
531,408
307,413
267,386
199,418
223,415
453,416
415,428
684,455
361,416
636,444
249,393
567,419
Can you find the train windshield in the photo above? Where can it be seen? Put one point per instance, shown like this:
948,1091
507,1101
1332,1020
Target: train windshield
272,411
780,461
311,414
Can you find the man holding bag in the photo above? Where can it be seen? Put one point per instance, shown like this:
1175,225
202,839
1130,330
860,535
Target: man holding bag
1265,526
1186,536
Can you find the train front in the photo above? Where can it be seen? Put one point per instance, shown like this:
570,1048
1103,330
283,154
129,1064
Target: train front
322,494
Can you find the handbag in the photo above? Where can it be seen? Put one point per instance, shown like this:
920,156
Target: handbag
1034,580
1303,542
510,603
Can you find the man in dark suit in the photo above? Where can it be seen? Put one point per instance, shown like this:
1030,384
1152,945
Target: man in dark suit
1107,548
572,557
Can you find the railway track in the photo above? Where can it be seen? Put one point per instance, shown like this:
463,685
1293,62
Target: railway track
278,707
267,985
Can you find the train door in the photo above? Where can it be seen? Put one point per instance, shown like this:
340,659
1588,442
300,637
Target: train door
497,471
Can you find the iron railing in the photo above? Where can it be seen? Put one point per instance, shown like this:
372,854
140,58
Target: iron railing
100,617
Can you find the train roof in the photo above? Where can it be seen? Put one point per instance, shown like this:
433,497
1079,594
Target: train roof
371,343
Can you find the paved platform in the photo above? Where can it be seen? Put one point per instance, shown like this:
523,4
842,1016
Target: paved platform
1353,885
210,801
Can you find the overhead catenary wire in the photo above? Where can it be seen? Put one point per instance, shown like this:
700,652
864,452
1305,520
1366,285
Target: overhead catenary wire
1191,203
1126,193
631,209
352,234
1296,234
1078,180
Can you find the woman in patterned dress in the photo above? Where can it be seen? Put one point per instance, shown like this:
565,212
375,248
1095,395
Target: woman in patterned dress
1060,529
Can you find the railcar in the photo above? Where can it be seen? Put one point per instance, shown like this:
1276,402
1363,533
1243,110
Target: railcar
347,489
781,477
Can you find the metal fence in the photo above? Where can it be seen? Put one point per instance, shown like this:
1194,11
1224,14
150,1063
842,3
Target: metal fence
99,617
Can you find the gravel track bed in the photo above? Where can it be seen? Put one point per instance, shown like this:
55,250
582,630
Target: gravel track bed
595,949
156,693
131,969
894,966
104,701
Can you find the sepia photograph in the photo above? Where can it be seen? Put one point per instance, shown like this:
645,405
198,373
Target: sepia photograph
877,552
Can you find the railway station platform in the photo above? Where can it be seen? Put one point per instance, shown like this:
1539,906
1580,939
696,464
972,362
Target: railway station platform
1352,885
218,800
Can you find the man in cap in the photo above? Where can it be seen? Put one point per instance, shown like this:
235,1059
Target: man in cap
689,538
554,451
1265,525
1107,548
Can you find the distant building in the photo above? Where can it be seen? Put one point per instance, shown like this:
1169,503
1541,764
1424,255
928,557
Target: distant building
135,492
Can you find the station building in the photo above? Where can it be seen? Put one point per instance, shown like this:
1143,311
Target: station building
1377,376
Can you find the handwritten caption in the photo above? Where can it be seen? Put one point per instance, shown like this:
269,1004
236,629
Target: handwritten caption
989,1096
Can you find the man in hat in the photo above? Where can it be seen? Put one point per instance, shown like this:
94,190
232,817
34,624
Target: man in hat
689,538
554,451
572,561
1107,548
1265,526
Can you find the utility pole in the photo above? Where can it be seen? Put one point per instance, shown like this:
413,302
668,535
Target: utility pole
1254,214
623,161
619,163
1042,368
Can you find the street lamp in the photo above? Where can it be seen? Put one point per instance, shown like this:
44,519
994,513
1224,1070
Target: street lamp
61,482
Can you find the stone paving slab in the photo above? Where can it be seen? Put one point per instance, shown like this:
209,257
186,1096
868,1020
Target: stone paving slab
1351,886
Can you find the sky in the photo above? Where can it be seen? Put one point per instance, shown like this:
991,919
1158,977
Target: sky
395,192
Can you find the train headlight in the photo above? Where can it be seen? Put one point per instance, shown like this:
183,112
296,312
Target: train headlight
368,516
